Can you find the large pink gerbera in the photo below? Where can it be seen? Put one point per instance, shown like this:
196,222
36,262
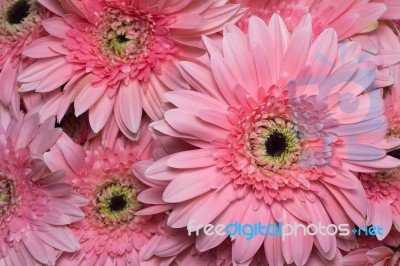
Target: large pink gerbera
35,205
111,233
280,122
21,23
119,56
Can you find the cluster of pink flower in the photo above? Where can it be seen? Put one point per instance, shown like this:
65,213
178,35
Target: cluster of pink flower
124,121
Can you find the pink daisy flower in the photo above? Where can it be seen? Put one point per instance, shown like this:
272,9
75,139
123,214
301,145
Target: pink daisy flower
383,193
111,233
352,19
278,134
347,17
384,43
20,25
118,57
372,252
392,98
383,188
35,205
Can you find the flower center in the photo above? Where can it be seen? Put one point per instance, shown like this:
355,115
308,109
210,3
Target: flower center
276,144
394,132
116,203
125,37
273,142
18,12
6,195
121,39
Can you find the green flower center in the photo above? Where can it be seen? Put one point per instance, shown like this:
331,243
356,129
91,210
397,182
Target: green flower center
276,142
17,12
125,37
118,43
273,143
117,203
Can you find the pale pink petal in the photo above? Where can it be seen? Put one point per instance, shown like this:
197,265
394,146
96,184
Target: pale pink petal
42,48
8,76
381,215
188,185
56,27
130,106
53,5
87,96
73,153
192,159
60,239
100,112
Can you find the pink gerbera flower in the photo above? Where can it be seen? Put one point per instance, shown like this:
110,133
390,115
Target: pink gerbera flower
35,205
347,17
119,56
383,193
352,19
383,188
280,122
384,43
21,23
111,233
372,252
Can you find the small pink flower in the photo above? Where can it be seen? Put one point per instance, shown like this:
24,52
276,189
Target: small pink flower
383,188
372,252
384,43
21,23
111,233
356,20
346,17
35,205
118,57
383,193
